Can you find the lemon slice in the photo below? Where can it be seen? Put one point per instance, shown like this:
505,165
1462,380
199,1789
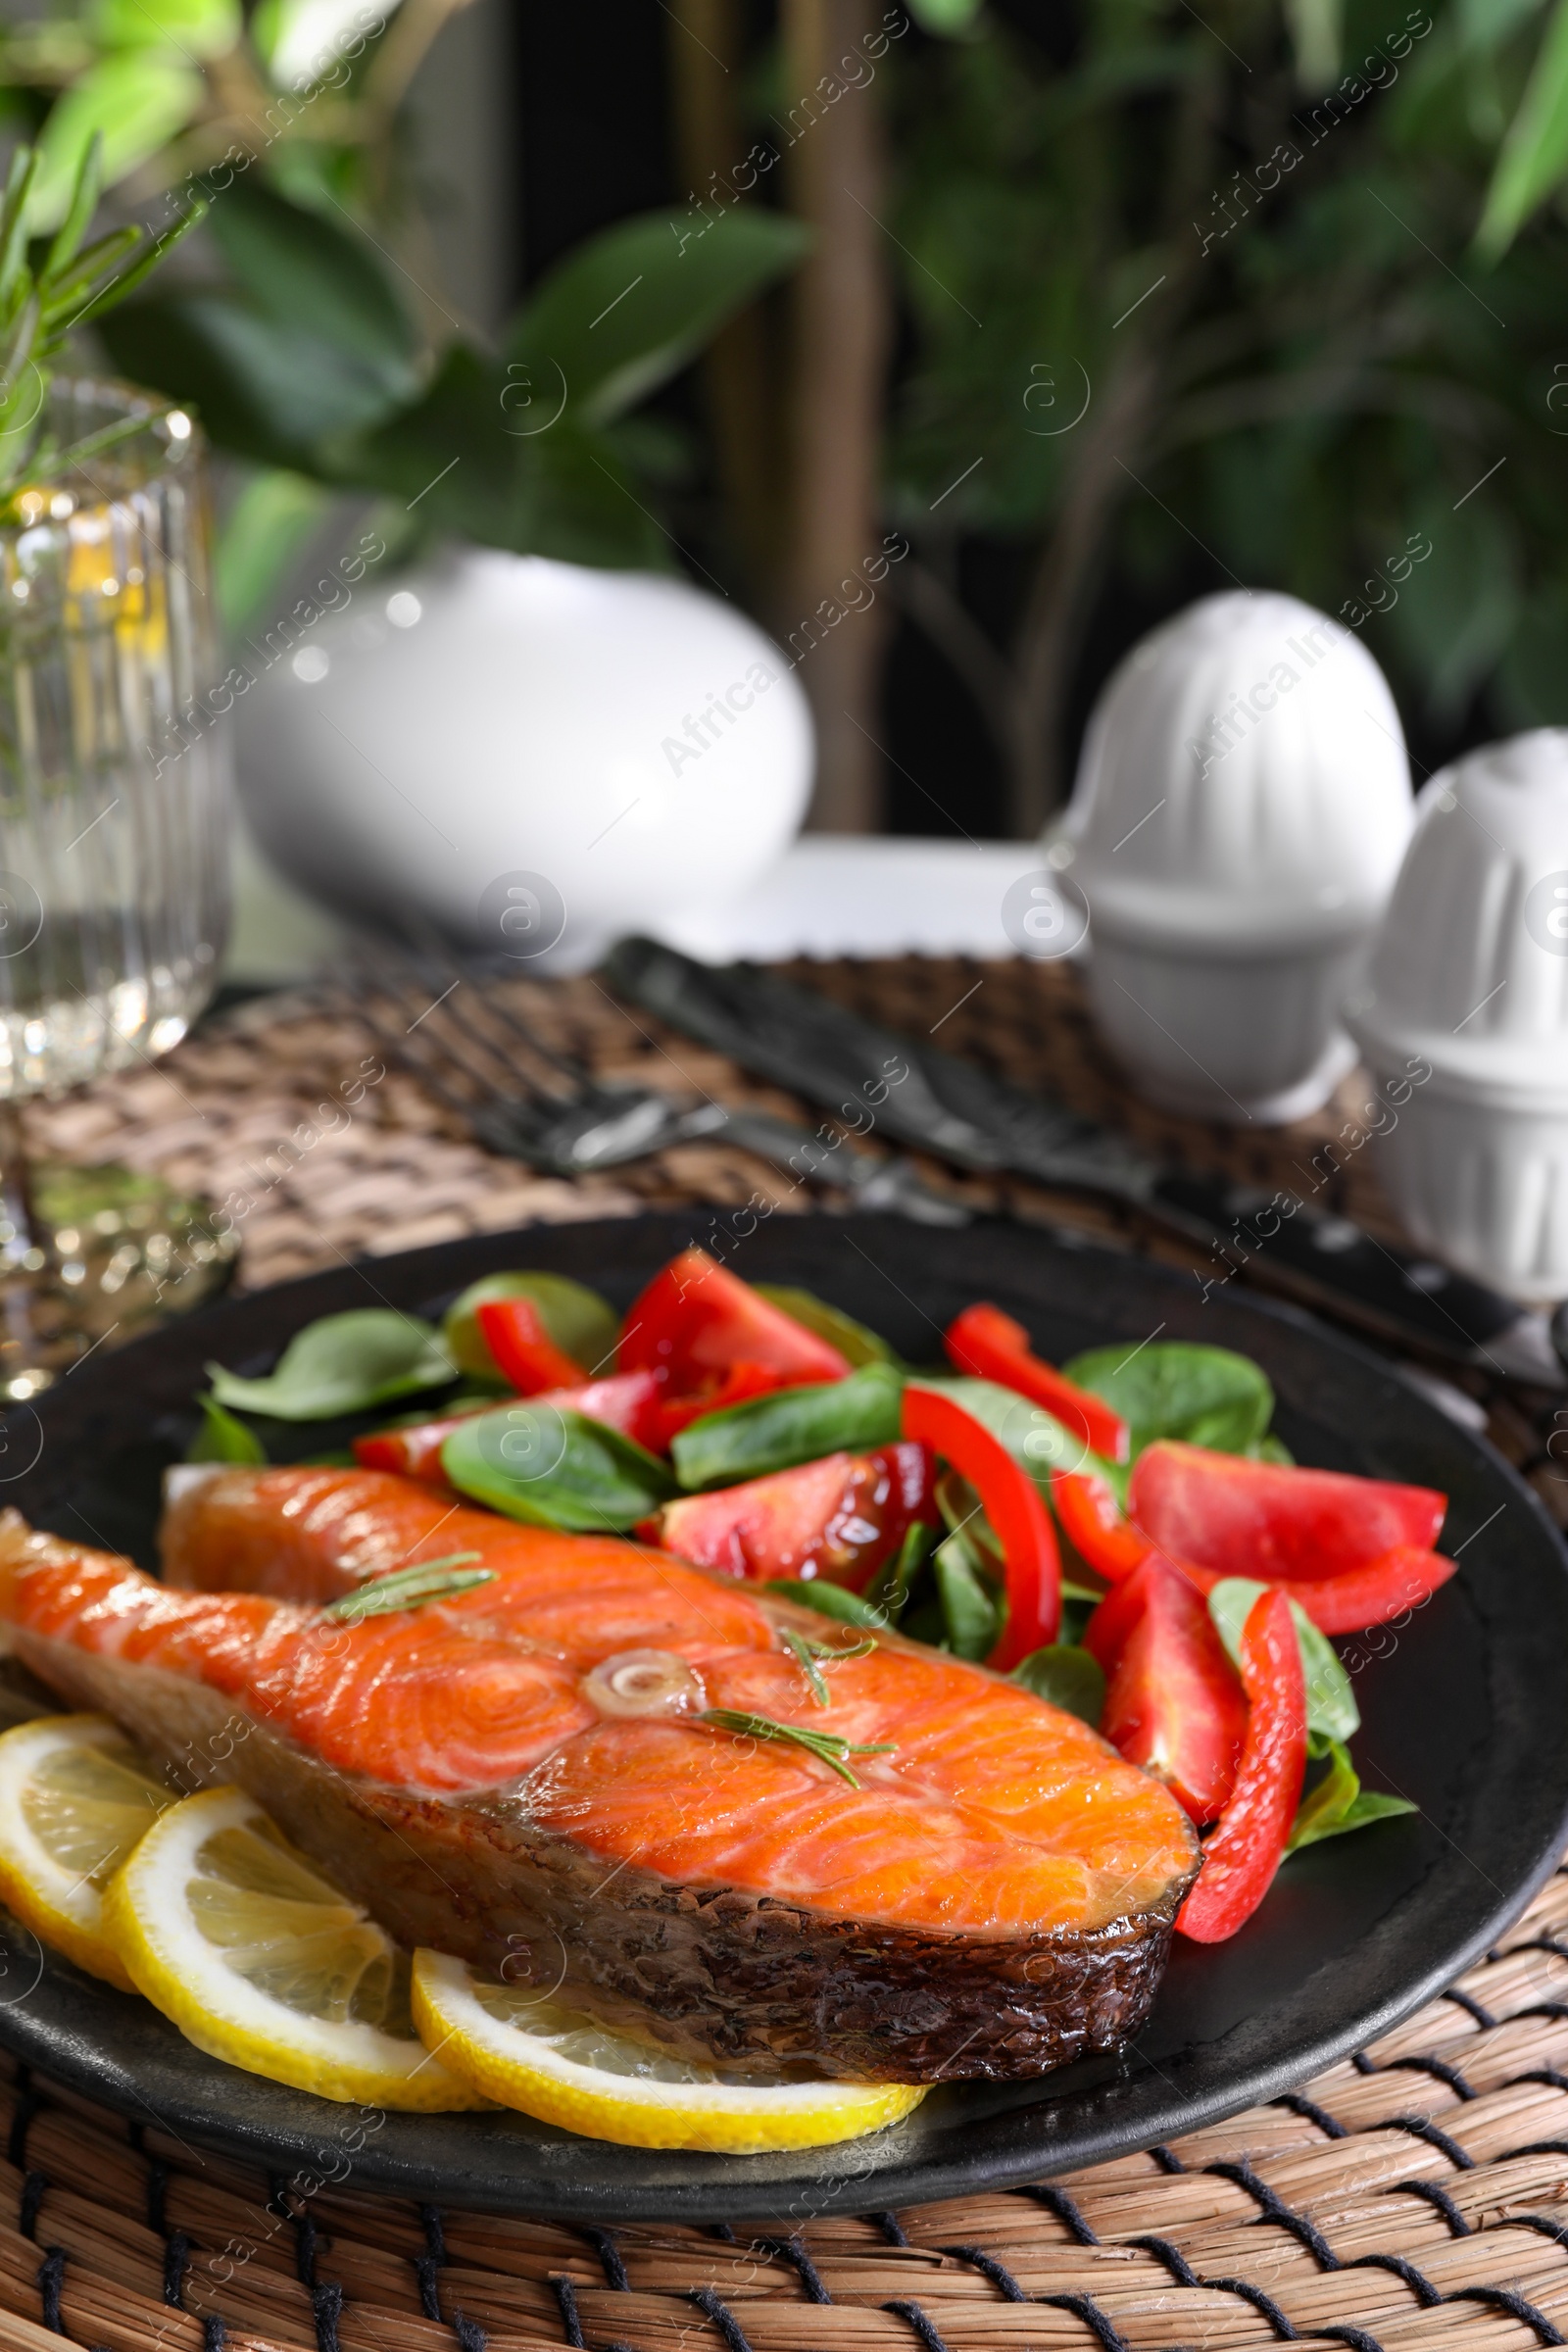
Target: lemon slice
561,2068
74,1799
235,1936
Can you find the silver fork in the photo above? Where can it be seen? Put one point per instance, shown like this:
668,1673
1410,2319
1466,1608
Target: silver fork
529,1102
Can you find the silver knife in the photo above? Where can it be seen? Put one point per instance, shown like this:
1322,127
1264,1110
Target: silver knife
915,1095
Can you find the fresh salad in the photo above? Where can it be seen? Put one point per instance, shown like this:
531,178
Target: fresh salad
1124,1535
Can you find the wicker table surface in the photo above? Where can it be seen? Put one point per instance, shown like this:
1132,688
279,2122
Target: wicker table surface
1415,2196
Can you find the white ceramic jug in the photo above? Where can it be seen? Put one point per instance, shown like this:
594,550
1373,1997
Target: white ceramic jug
532,756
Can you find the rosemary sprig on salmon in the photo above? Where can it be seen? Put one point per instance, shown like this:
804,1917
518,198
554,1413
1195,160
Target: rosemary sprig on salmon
829,1746
410,1588
806,1653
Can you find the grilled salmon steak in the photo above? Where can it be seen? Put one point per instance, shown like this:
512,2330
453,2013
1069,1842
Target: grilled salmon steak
529,1774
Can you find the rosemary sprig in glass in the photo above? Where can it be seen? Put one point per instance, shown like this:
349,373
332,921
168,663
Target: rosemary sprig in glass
827,1746
73,284
410,1588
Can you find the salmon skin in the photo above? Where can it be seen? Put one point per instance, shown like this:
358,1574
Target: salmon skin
995,1897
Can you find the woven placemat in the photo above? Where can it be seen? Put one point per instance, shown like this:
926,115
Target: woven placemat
1414,2197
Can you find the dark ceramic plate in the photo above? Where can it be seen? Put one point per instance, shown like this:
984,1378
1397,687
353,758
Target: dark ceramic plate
1462,1712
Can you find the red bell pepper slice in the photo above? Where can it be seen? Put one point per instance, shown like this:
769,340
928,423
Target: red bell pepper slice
1013,1504
1243,1854
991,1345
839,1519
1270,1520
627,1400
696,1320
515,1333
1093,1523
1173,1702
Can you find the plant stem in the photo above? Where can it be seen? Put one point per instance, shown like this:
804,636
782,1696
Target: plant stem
741,367
836,173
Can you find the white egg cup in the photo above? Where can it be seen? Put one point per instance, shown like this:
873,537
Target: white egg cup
1239,812
1468,993
534,756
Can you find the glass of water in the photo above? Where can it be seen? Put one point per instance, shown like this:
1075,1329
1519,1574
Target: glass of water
114,837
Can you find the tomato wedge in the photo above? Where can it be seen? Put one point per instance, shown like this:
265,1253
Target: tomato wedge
1017,1514
1364,1587
627,1400
838,1519
991,1345
1270,1520
696,1320
513,1330
1243,1854
1173,1702
1092,1521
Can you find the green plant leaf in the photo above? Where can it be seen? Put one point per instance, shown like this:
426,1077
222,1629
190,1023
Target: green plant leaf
223,1438
342,1365
1534,152
1176,1389
85,195
970,1617
790,1426
410,1588
1331,1709
1078,1604
190,28
268,526
1030,1434
1338,1803
888,1591
319,278
576,1318
556,1469
948,19
1067,1677
138,99
1317,35
628,309
262,390
840,1330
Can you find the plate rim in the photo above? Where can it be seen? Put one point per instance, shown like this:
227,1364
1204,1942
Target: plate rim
917,2179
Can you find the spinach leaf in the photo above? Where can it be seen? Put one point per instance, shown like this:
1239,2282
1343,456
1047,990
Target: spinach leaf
790,1426
972,1619
1175,1388
840,1330
342,1365
1331,1710
889,1592
1067,1677
1270,1448
223,1438
556,1469
1028,1432
582,1323
829,1601
1338,1803
1078,1604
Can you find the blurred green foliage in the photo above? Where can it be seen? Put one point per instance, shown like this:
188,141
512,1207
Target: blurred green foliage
1281,282
307,345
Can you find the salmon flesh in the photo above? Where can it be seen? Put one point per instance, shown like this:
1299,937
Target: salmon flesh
994,1899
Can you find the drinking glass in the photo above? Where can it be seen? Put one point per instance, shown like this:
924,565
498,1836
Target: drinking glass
114,826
